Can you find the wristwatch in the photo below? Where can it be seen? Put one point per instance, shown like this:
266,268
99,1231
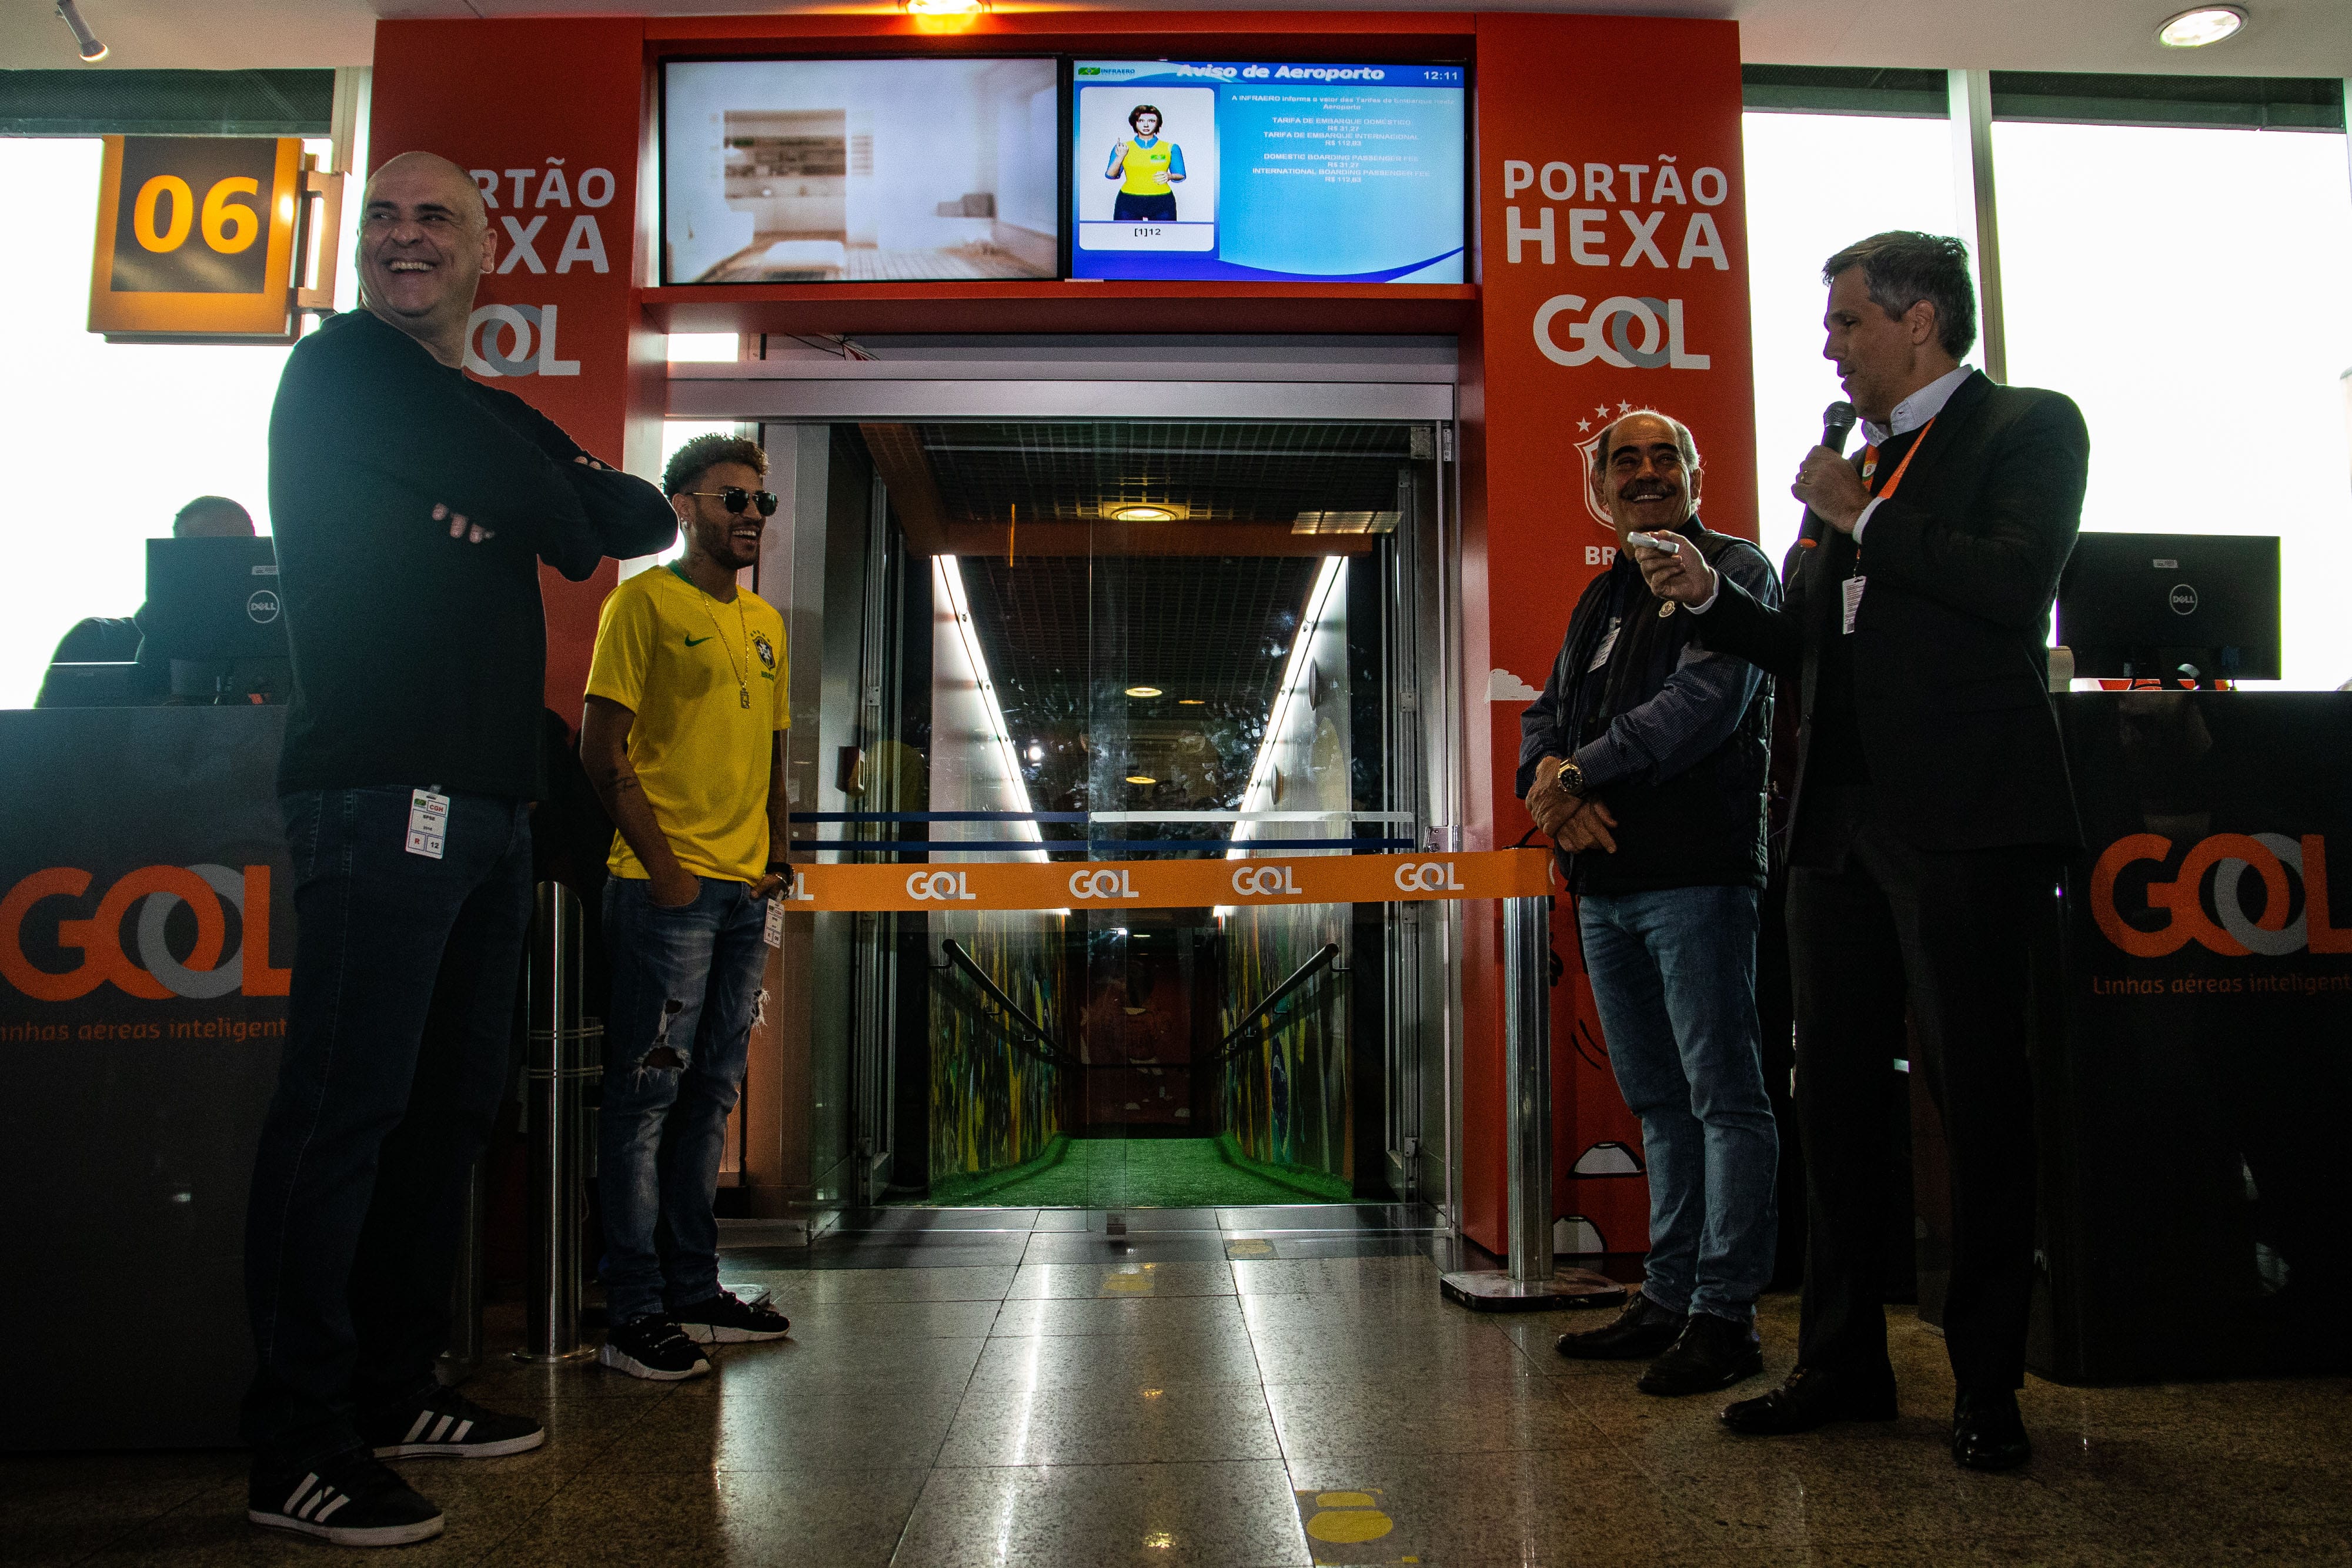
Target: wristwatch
1571,778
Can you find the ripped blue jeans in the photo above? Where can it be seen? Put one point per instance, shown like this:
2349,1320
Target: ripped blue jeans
686,988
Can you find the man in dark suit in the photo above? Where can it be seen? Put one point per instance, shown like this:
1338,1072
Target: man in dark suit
1931,808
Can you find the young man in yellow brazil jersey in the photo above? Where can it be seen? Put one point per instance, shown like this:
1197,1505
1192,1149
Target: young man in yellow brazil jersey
1146,166
683,740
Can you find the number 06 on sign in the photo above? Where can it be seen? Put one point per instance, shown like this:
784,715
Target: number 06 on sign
205,238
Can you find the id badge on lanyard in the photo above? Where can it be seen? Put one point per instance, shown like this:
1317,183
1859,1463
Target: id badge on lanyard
1851,589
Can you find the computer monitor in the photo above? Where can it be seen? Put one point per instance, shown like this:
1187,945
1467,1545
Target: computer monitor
212,610
2146,605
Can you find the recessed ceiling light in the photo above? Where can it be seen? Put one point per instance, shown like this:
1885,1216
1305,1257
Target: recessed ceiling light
1141,779
1143,514
2195,29
1036,752
942,8
1143,691
1191,702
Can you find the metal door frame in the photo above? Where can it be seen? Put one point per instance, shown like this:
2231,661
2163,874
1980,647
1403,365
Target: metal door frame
1008,380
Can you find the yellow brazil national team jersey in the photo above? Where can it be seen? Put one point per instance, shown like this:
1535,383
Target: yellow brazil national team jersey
674,656
1147,168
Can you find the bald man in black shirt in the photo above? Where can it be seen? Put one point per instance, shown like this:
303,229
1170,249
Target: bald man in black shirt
411,510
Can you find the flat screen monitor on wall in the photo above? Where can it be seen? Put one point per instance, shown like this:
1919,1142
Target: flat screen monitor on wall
1267,170
859,170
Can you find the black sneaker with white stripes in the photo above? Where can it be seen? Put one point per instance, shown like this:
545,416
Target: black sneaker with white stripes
445,1423
653,1346
727,1319
352,1499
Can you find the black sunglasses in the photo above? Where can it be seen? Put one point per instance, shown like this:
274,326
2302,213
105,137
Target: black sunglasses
735,498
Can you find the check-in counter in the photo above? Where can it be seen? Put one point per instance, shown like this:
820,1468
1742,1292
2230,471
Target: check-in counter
2194,1052
146,928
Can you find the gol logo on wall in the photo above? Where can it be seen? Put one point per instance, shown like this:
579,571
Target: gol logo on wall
149,971
2223,861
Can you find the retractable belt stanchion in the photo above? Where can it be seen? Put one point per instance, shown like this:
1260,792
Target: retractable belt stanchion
565,1051
1530,1282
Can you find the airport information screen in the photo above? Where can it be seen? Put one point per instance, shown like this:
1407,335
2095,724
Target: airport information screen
1271,171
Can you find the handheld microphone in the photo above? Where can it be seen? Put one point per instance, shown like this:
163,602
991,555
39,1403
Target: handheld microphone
1837,423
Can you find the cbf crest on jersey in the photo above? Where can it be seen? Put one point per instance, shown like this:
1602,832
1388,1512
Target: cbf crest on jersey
766,650
1592,428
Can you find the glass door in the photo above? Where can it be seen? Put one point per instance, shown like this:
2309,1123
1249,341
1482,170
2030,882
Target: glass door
1095,641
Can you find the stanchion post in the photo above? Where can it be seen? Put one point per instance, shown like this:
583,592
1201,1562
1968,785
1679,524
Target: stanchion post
1527,1077
564,1053
1528,1283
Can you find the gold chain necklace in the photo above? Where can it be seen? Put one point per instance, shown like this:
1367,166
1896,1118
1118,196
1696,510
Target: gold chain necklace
742,629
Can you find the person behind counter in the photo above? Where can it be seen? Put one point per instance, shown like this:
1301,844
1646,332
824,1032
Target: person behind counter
114,639
412,507
1639,731
1931,808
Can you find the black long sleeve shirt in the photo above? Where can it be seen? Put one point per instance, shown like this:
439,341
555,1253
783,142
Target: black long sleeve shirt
420,658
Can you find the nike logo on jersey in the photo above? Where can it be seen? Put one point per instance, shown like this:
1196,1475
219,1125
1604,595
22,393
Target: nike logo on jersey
693,642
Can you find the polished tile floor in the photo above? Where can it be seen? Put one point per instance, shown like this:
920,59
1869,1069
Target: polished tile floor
1244,1387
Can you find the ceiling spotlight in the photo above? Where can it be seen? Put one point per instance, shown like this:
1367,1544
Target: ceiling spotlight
92,50
2205,25
1141,779
1143,691
1143,514
1036,752
942,8
1191,702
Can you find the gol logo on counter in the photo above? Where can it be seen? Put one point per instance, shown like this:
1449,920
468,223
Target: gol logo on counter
152,973
2228,930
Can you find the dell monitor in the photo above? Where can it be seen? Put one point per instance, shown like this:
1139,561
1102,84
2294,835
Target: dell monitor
212,610
2172,607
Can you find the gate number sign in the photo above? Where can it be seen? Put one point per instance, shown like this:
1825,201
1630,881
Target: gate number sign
197,237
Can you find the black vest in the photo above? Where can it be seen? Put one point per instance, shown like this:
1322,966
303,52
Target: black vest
1703,827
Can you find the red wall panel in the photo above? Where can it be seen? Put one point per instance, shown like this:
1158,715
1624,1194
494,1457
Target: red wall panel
1642,293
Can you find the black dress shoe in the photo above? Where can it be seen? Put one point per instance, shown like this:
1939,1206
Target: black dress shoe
1987,1434
1641,1330
1712,1352
1813,1397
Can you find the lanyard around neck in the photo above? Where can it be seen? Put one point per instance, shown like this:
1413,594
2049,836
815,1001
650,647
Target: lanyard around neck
1869,460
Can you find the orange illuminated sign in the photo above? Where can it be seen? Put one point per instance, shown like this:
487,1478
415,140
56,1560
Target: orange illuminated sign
152,972
1175,884
198,236
2224,859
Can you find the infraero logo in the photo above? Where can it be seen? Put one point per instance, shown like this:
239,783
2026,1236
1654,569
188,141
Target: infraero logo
2203,900
152,973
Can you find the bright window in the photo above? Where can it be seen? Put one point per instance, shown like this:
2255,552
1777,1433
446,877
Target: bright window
2187,289
101,443
1888,174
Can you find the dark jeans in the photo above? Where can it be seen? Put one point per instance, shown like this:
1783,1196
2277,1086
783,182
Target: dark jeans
1880,925
1674,972
685,986
399,1033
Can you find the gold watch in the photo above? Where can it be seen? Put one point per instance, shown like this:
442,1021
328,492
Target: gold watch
1571,778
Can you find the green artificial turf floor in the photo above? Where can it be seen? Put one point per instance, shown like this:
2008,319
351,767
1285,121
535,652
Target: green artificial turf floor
1138,1173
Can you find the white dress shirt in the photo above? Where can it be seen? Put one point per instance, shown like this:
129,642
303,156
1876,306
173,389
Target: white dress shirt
1912,414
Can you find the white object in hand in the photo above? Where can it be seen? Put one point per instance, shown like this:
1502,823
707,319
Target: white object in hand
1666,542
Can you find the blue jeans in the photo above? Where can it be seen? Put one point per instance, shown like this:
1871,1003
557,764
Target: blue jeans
399,1033
686,983
1674,973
